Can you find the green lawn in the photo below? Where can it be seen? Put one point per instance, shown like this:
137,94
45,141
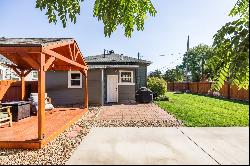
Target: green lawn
201,111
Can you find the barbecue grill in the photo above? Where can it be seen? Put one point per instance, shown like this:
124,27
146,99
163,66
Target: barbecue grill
144,95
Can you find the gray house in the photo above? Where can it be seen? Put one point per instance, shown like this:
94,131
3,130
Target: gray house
111,78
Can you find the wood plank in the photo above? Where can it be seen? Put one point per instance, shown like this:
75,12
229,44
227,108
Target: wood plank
20,144
27,72
63,128
57,44
63,58
81,54
4,50
41,98
29,60
49,63
70,52
76,55
74,52
22,85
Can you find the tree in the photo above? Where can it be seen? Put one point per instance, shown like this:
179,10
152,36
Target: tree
231,44
197,62
156,73
176,74
127,13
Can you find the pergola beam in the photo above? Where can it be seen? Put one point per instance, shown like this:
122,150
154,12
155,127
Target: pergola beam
28,59
70,51
86,96
5,50
41,98
48,63
57,44
63,58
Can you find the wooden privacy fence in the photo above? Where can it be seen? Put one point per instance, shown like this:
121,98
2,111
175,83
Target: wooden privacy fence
230,92
11,90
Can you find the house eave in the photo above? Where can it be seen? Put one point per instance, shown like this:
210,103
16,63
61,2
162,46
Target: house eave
112,66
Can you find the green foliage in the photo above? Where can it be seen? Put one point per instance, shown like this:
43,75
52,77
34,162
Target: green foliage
162,98
63,8
196,60
231,45
176,74
127,13
156,73
202,111
157,85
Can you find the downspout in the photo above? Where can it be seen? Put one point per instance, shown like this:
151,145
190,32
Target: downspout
102,87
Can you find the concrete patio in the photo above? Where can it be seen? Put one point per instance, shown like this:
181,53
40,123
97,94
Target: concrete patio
164,146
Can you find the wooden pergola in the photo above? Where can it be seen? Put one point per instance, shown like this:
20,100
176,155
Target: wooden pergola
43,54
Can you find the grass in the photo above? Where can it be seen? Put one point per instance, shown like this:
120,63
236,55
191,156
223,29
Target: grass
203,111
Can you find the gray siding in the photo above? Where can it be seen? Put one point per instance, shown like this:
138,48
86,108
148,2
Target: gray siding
125,92
57,88
142,76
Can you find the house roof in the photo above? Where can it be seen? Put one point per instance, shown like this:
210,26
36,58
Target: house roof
31,42
111,66
109,58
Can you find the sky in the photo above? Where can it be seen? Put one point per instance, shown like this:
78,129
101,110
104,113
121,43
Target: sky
165,34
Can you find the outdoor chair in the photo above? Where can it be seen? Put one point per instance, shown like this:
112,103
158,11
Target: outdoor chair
5,116
34,102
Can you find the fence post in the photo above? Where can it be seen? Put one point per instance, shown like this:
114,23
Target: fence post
228,91
197,87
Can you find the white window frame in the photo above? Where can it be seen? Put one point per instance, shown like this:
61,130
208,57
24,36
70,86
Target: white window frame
126,83
69,79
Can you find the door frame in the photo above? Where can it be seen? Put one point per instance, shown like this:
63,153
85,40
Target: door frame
116,88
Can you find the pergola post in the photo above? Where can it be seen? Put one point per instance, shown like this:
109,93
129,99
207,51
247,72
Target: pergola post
86,96
22,85
41,98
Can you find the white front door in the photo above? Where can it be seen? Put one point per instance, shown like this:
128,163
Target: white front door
112,88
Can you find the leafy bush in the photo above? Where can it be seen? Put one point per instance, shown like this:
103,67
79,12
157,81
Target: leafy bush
157,85
162,98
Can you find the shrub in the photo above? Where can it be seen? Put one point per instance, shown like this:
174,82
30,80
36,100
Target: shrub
162,98
157,85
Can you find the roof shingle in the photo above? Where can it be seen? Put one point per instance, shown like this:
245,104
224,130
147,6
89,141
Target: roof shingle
29,42
114,58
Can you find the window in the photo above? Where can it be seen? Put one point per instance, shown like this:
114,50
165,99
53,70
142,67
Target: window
126,78
74,79
35,74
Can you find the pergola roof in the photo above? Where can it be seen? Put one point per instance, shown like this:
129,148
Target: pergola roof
60,53
31,42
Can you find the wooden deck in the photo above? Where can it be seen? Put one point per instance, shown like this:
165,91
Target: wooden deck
24,133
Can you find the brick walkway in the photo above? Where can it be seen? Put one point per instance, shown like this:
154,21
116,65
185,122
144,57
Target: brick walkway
135,112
